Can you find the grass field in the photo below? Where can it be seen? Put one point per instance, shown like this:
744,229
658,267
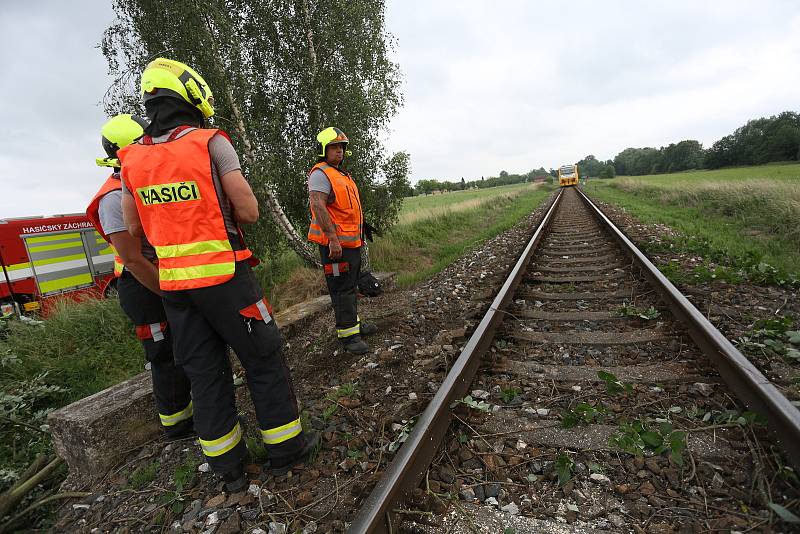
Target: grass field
435,230
749,215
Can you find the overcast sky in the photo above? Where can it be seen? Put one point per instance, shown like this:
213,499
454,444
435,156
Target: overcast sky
489,86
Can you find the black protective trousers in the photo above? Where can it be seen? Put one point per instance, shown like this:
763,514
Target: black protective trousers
343,288
205,322
171,388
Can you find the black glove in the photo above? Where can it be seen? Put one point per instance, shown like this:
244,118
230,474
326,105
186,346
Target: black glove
369,230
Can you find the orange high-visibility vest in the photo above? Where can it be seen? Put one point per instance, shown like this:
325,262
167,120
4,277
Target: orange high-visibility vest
177,202
93,213
345,210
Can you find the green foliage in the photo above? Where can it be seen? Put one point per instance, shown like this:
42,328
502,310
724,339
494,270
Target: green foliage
329,411
673,158
630,310
185,471
759,141
428,186
583,414
24,406
257,448
564,468
607,171
636,437
614,386
772,337
509,394
344,390
407,425
784,514
144,475
79,350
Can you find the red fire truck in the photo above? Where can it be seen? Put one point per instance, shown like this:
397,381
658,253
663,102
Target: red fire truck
45,259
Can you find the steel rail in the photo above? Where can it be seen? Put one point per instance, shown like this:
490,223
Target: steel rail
744,379
413,458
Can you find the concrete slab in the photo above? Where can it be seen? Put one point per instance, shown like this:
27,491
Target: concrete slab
94,433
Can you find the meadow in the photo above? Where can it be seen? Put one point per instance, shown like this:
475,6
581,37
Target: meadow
748,214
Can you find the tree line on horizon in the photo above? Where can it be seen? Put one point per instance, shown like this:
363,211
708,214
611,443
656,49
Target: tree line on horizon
759,141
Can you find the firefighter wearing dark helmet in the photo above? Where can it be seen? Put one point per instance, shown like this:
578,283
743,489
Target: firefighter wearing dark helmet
137,283
337,226
184,190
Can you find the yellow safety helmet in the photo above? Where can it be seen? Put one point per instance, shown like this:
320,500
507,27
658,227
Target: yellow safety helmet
172,78
119,131
331,136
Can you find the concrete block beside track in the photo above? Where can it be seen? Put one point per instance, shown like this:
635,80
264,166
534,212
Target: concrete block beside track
93,434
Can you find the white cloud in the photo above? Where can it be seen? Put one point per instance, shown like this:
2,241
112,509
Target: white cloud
523,84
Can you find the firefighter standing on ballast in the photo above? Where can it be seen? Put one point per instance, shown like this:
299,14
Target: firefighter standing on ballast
185,192
337,226
137,283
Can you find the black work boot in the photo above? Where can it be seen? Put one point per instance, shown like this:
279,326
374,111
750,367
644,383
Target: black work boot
234,479
182,430
355,345
281,466
368,328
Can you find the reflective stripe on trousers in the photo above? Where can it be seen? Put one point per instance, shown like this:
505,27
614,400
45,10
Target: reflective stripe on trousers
169,420
156,332
219,446
347,332
282,433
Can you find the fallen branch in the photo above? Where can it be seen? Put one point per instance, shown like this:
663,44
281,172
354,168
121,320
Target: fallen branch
67,495
33,476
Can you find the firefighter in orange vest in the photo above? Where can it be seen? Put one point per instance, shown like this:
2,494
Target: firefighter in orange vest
337,226
184,190
137,283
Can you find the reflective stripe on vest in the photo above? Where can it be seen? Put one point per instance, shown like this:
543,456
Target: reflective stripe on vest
118,266
175,418
282,433
345,211
219,446
177,201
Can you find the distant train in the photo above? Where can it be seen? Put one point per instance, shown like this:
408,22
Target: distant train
568,175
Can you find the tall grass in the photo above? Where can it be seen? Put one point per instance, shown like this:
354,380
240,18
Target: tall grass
747,212
765,206
424,246
79,350
423,207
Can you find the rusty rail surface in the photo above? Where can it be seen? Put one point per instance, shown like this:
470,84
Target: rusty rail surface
404,473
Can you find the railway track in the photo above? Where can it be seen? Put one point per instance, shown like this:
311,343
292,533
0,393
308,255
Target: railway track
592,396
